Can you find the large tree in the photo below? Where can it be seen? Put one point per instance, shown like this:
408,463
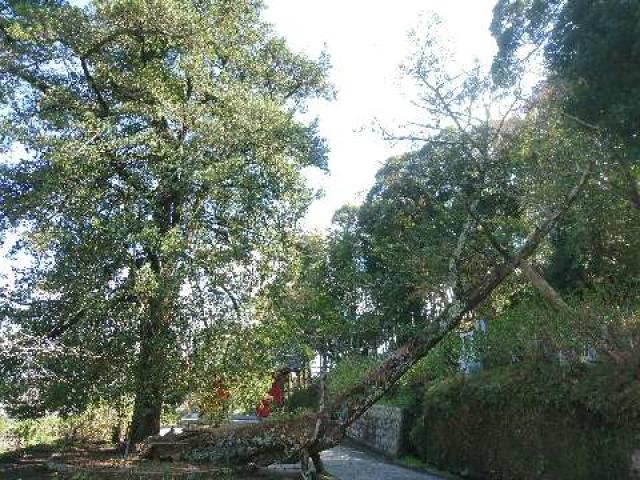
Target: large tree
161,162
590,48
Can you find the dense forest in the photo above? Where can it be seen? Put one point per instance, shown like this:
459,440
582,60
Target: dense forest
158,190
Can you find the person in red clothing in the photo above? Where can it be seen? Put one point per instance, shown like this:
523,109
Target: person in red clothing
275,395
263,410
277,387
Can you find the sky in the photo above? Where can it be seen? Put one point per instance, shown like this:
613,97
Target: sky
367,40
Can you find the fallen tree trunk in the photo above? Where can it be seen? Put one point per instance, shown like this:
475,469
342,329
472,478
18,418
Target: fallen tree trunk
551,296
607,340
275,441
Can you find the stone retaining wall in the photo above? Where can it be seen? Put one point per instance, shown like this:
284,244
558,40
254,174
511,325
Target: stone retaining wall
380,428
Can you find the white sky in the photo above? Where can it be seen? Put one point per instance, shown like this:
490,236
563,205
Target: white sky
367,40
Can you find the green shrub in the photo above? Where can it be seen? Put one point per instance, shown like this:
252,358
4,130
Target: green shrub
26,433
530,330
4,429
348,372
97,424
531,421
304,399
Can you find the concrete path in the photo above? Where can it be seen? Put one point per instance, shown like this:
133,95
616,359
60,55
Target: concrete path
347,463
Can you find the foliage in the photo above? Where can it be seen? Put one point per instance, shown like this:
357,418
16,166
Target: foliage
406,226
413,217
596,243
347,373
531,331
320,296
348,284
102,422
97,424
161,174
441,362
176,255
4,426
31,432
344,375
306,303
532,421
304,399
231,368
532,386
592,53
592,45
439,217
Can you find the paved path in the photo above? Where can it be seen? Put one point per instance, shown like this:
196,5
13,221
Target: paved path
347,463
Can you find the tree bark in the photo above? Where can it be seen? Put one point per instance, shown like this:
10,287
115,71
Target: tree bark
150,374
549,293
276,441
149,395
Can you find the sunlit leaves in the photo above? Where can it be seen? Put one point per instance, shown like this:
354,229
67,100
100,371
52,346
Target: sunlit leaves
163,170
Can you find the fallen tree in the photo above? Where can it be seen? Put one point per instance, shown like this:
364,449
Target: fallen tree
307,435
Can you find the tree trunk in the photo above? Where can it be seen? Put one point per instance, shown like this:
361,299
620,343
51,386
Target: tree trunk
607,342
549,293
275,441
150,374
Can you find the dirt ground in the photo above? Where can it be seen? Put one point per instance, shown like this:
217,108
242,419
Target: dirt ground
102,463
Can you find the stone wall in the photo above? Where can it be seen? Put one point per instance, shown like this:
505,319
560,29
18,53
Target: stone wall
380,428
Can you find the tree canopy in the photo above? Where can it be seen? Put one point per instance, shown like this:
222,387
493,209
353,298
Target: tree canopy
162,166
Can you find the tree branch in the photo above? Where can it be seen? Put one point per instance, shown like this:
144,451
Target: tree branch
92,85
